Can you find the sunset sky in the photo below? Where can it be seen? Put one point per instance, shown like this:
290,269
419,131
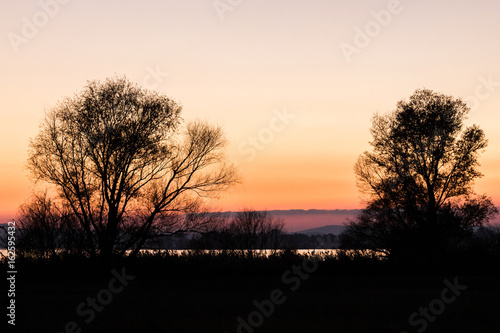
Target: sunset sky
293,83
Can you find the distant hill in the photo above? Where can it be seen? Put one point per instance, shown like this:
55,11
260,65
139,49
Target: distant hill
297,219
304,220
327,229
301,219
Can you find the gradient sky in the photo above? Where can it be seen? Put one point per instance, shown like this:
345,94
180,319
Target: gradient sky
240,65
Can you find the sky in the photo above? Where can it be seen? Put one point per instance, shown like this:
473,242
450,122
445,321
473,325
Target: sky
294,84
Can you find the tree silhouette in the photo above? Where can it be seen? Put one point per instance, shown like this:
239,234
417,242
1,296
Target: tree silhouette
418,179
246,232
124,163
253,230
46,228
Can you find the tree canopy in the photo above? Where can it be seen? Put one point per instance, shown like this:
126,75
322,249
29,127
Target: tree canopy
418,179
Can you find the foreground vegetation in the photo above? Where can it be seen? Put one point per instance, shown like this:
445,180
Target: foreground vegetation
198,292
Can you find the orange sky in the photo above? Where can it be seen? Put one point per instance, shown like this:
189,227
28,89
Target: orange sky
244,68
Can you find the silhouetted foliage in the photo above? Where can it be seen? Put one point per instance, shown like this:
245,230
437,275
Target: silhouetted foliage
253,230
247,232
46,229
125,166
418,179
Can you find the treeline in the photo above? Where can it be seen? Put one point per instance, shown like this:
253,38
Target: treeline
247,232
44,231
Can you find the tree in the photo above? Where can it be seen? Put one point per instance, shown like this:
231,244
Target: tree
418,179
245,232
252,230
122,160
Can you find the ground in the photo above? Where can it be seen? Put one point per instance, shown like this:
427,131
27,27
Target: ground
325,300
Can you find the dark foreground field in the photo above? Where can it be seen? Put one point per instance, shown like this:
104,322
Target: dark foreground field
209,294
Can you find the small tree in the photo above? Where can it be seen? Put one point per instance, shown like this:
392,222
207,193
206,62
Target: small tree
418,179
122,161
255,230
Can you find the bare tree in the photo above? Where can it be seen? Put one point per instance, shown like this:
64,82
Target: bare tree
125,164
255,230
